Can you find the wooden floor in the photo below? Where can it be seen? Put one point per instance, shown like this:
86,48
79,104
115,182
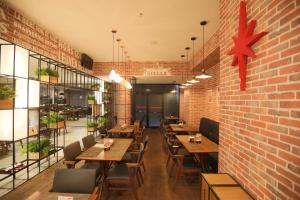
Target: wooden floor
158,185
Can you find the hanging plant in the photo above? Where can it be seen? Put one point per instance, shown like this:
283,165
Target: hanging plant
96,86
91,99
34,148
47,75
55,120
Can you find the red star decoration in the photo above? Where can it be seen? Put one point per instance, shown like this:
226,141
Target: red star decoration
242,44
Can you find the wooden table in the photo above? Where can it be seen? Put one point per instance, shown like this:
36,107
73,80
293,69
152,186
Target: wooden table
120,130
206,145
55,195
115,153
185,128
198,149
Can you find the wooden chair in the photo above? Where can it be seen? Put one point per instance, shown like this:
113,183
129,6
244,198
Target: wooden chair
83,181
123,176
88,141
70,153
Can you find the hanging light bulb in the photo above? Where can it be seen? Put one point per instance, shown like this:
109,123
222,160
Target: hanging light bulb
193,80
203,74
182,86
187,60
112,73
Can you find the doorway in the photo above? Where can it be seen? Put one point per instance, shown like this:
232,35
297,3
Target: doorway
152,102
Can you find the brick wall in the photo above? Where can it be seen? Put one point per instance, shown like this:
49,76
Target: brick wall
260,127
131,69
202,99
16,28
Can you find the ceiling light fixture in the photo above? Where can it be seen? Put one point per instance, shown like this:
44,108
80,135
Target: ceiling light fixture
193,80
112,73
187,61
182,86
203,74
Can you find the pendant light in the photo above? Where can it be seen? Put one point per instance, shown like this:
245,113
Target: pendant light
193,80
203,74
187,60
113,73
118,78
182,86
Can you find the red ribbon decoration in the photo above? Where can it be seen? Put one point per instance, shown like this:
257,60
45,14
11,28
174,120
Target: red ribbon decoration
242,44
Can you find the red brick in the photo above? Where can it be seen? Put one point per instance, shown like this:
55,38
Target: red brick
279,144
290,157
290,51
290,69
276,80
294,86
290,104
290,122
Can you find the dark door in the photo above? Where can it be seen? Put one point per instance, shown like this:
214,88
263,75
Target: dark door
155,109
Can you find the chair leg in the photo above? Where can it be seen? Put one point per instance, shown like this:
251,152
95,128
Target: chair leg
143,165
141,175
168,160
177,176
171,169
133,190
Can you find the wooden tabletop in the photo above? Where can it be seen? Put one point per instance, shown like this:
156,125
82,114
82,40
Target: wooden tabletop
119,129
115,153
231,193
54,196
206,145
171,117
185,128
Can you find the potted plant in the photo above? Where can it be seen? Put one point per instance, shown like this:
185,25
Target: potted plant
102,121
107,87
107,99
91,99
55,120
92,126
96,86
6,97
47,75
106,110
36,148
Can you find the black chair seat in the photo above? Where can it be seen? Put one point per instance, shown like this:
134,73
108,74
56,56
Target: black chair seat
189,162
119,172
92,165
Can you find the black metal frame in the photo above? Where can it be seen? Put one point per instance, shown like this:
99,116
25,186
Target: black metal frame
69,78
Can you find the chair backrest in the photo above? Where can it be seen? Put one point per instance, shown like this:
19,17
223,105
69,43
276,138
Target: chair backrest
74,181
72,151
145,142
141,153
209,129
88,141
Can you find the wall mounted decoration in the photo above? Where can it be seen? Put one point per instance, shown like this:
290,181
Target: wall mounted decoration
242,44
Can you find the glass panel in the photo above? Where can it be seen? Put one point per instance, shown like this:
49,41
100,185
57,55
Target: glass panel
6,125
20,123
21,64
33,122
7,59
33,67
34,93
21,93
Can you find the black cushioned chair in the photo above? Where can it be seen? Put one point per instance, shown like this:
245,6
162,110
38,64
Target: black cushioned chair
210,129
74,181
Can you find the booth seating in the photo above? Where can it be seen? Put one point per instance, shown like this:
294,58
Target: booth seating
210,129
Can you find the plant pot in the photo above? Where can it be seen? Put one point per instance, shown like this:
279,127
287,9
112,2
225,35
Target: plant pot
96,110
35,155
32,131
6,104
91,101
57,125
50,79
91,129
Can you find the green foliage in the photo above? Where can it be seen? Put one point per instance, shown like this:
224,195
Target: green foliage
95,86
6,92
46,72
53,117
108,86
102,121
92,124
91,97
107,98
107,109
35,146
